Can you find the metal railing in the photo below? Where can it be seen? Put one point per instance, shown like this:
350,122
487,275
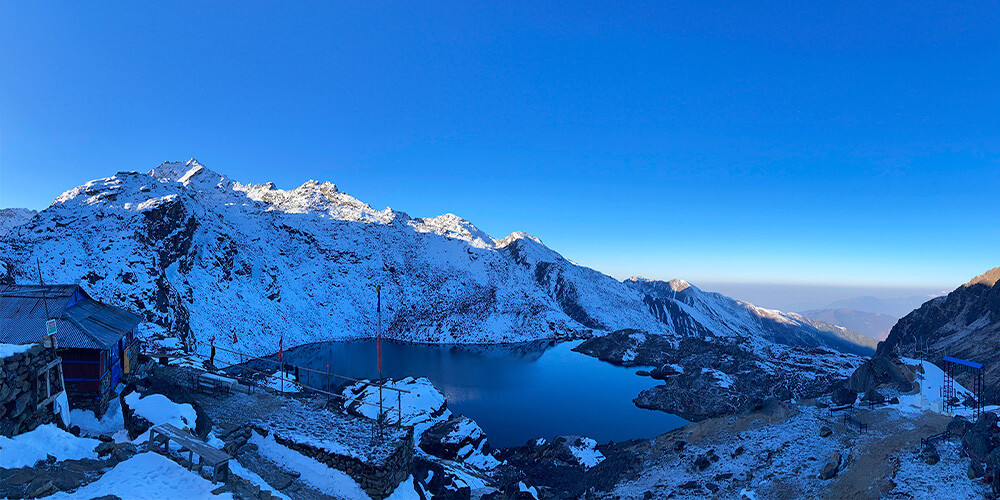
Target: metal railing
246,358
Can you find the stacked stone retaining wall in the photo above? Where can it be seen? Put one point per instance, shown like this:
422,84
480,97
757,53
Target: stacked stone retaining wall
18,392
379,479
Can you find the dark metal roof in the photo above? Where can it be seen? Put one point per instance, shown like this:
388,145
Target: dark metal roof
81,321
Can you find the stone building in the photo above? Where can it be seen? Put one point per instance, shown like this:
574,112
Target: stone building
96,341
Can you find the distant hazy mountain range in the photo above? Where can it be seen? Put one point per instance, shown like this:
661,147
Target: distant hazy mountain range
895,307
874,325
201,255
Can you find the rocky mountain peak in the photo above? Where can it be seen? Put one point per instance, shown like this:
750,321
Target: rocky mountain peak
989,278
678,285
453,226
517,236
177,171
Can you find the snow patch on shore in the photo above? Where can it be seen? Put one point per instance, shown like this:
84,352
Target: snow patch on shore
29,448
145,476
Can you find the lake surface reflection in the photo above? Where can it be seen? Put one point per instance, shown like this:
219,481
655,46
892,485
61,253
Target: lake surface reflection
515,392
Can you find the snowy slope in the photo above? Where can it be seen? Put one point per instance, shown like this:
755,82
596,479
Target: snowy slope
201,255
11,218
694,312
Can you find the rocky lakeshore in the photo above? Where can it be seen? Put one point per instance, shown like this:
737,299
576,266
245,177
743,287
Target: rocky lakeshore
705,378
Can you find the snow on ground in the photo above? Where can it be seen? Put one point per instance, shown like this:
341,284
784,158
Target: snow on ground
24,450
144,476
586,453
930,378
111,423
159,409
773,458
418,403
944,480
404,491
525,488
282,383
12,349
422,407
724,379
314,473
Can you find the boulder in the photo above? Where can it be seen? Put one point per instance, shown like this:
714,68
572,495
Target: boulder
975,470
825,431
691,485
202,423
930,455
784,394
958,426
104,448
979,437
679,445
663,372
880,371
874,396
993,462
40,487
134,424
441,484
123,452
831,468
446,439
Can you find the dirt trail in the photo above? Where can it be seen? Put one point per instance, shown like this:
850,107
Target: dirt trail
870,470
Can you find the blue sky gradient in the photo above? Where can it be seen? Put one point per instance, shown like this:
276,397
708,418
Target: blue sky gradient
827,143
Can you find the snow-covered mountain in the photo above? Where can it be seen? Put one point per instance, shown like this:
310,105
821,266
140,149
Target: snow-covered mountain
201,255
693,312
11,218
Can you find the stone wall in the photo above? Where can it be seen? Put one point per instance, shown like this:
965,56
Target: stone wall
18,391
378,480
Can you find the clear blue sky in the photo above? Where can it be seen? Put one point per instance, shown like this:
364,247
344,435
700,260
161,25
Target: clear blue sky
805,142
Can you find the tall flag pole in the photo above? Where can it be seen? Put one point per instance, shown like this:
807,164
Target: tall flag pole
378,334
378,343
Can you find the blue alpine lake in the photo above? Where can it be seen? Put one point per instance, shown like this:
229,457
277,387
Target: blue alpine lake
516,392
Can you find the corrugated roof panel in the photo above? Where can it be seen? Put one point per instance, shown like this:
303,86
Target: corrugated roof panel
86,324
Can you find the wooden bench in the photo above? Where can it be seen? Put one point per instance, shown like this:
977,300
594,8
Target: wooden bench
207,455
849,420
213,383
931,439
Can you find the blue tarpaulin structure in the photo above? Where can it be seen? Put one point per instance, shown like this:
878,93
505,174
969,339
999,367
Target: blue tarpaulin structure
970,364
